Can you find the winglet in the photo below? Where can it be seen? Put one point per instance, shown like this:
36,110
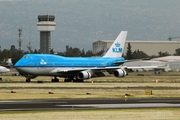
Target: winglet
116,49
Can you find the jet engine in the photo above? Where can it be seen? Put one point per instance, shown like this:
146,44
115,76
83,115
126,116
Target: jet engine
120,73
84,75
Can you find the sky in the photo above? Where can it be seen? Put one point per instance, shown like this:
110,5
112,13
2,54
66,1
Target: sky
79,23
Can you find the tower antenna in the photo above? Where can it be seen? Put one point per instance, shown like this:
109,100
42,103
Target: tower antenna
20,38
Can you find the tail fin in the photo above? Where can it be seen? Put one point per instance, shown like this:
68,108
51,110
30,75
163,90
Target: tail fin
117,47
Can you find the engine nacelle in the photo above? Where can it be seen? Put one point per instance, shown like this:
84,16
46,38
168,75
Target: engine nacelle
84,75
120,73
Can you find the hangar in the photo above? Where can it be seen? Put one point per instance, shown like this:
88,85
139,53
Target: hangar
168,63
173,62
148,47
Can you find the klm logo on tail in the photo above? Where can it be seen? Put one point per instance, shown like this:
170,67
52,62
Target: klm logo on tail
117,48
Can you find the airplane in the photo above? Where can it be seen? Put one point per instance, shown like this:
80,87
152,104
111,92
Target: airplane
3,70
75,69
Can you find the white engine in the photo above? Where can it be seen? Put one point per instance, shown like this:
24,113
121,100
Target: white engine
120,73
84,75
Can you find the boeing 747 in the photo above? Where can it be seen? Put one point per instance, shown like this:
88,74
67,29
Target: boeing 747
75,69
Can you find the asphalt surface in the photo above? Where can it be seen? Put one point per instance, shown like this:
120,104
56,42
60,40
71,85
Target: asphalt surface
87,104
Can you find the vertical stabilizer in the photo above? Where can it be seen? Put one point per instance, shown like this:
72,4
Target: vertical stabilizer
116,49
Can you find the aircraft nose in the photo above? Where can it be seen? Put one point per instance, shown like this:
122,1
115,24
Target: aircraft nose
7,70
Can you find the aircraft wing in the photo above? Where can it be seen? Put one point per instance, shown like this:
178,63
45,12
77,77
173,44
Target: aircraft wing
133,60
63,70
139,67
137,59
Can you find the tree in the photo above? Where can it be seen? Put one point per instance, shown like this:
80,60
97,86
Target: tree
177,52
100,53
89,53
137,54
35,51
129,52
17,56
68,51
82,53
162,54
76,52
5,54
52,51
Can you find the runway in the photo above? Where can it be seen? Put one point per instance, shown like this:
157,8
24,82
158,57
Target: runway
87,104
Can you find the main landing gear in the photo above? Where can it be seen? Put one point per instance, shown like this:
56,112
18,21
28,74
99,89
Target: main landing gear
28,78
71,79
55,79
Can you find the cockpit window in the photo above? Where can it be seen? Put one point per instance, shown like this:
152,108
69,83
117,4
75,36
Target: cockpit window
25,56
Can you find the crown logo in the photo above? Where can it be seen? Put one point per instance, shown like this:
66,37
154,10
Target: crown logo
43,62
117,44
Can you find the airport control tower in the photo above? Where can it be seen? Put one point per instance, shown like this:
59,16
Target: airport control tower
45,25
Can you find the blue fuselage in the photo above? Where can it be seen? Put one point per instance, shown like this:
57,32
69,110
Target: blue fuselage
48,60
50,65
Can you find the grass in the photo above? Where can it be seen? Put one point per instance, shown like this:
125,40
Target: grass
81,93
149,77
100,114
102,87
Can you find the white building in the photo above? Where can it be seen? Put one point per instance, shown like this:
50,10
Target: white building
172,61
160,64
168,63
148,47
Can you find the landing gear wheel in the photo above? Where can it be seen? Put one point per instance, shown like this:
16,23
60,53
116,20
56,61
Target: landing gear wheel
71,79
67,80
79,80
55,80
28,80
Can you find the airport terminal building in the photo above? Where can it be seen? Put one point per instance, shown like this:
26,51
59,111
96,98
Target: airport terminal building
148,47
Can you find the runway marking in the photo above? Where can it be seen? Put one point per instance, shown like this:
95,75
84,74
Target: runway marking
141,105
171,100
29,102
23,109
14,102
